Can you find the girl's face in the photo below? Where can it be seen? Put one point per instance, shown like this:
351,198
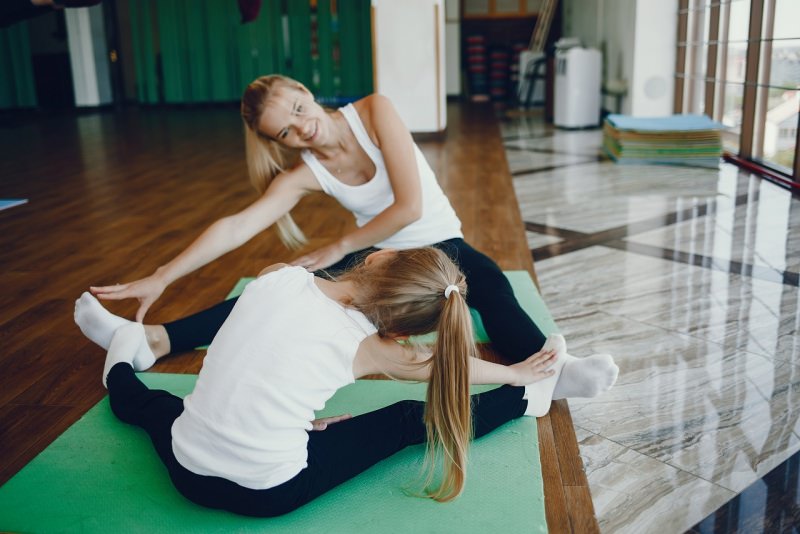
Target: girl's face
293,119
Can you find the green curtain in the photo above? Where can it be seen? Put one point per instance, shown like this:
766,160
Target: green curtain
198,51
17,87
356,46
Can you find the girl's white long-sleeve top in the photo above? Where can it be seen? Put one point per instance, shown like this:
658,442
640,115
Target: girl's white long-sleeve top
282,353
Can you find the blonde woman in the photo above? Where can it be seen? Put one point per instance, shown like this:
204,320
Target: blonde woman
243,440
362,155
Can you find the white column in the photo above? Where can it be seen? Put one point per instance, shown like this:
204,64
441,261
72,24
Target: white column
409,62
452,30
91,77
653,84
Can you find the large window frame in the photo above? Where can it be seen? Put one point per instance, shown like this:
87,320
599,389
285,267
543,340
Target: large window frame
704,84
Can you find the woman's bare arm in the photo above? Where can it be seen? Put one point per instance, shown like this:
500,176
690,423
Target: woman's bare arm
224,235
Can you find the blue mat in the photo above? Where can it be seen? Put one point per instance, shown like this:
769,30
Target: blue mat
10,203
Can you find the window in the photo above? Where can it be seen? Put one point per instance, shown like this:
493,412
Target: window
738,62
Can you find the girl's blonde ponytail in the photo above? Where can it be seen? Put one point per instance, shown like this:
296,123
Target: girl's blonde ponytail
405,296
448,415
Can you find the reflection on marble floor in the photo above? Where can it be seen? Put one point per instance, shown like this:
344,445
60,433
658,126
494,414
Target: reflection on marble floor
707,399
724,234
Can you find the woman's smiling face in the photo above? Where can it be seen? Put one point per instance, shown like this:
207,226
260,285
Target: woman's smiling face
293,119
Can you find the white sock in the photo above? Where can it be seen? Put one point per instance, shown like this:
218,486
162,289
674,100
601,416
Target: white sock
123,347
99,325
96,322
586,377
540,394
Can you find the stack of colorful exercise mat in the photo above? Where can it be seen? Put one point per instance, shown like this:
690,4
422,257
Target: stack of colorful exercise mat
677,139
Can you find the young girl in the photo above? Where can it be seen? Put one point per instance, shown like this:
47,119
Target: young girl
362,155
242,440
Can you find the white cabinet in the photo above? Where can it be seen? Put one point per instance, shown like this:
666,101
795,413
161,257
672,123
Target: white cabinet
577,88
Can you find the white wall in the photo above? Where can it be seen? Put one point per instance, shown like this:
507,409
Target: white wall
407,67
638,40
452,29
88,56
581,20
617,37
652,88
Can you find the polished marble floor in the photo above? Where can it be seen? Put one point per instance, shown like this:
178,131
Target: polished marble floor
689,276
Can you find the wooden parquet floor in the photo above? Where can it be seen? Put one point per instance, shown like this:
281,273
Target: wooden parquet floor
114,194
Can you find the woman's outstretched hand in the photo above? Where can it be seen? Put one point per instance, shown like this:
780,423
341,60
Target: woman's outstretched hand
323,422
146,291
535,368
321,258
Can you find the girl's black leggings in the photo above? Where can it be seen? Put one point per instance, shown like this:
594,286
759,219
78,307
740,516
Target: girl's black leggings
514,335
335,454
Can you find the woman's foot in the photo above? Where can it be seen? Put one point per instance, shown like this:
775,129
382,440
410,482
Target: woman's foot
124,346
96,322
574,377
586,377
100,325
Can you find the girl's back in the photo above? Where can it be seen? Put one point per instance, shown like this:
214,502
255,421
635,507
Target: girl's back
283,352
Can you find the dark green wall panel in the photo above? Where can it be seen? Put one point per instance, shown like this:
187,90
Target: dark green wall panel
198,51
354,32
299,15
17,88
144,57
325,47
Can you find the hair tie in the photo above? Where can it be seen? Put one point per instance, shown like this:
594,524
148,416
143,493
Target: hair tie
449,289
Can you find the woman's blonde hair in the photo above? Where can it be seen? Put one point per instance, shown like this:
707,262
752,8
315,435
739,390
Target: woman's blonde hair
266,158
403,296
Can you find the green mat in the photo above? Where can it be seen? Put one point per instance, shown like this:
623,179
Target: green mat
102,475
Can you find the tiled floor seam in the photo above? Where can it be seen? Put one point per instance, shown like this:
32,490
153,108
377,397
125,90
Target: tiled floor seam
662,462
522,173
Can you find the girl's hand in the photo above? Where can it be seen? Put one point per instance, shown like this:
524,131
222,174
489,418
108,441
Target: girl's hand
323,422
146,291
321,258
535,368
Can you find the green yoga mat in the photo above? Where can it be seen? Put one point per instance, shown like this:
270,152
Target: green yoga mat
102,475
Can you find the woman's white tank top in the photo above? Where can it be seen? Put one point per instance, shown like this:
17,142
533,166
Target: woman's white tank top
438,222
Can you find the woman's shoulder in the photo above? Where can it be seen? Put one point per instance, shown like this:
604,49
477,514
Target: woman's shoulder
372,106
375,110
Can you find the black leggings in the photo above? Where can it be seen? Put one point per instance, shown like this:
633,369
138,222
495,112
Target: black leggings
514,335
335,454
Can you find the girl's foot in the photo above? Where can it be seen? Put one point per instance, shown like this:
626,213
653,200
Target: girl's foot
123,346
540,394
586,377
